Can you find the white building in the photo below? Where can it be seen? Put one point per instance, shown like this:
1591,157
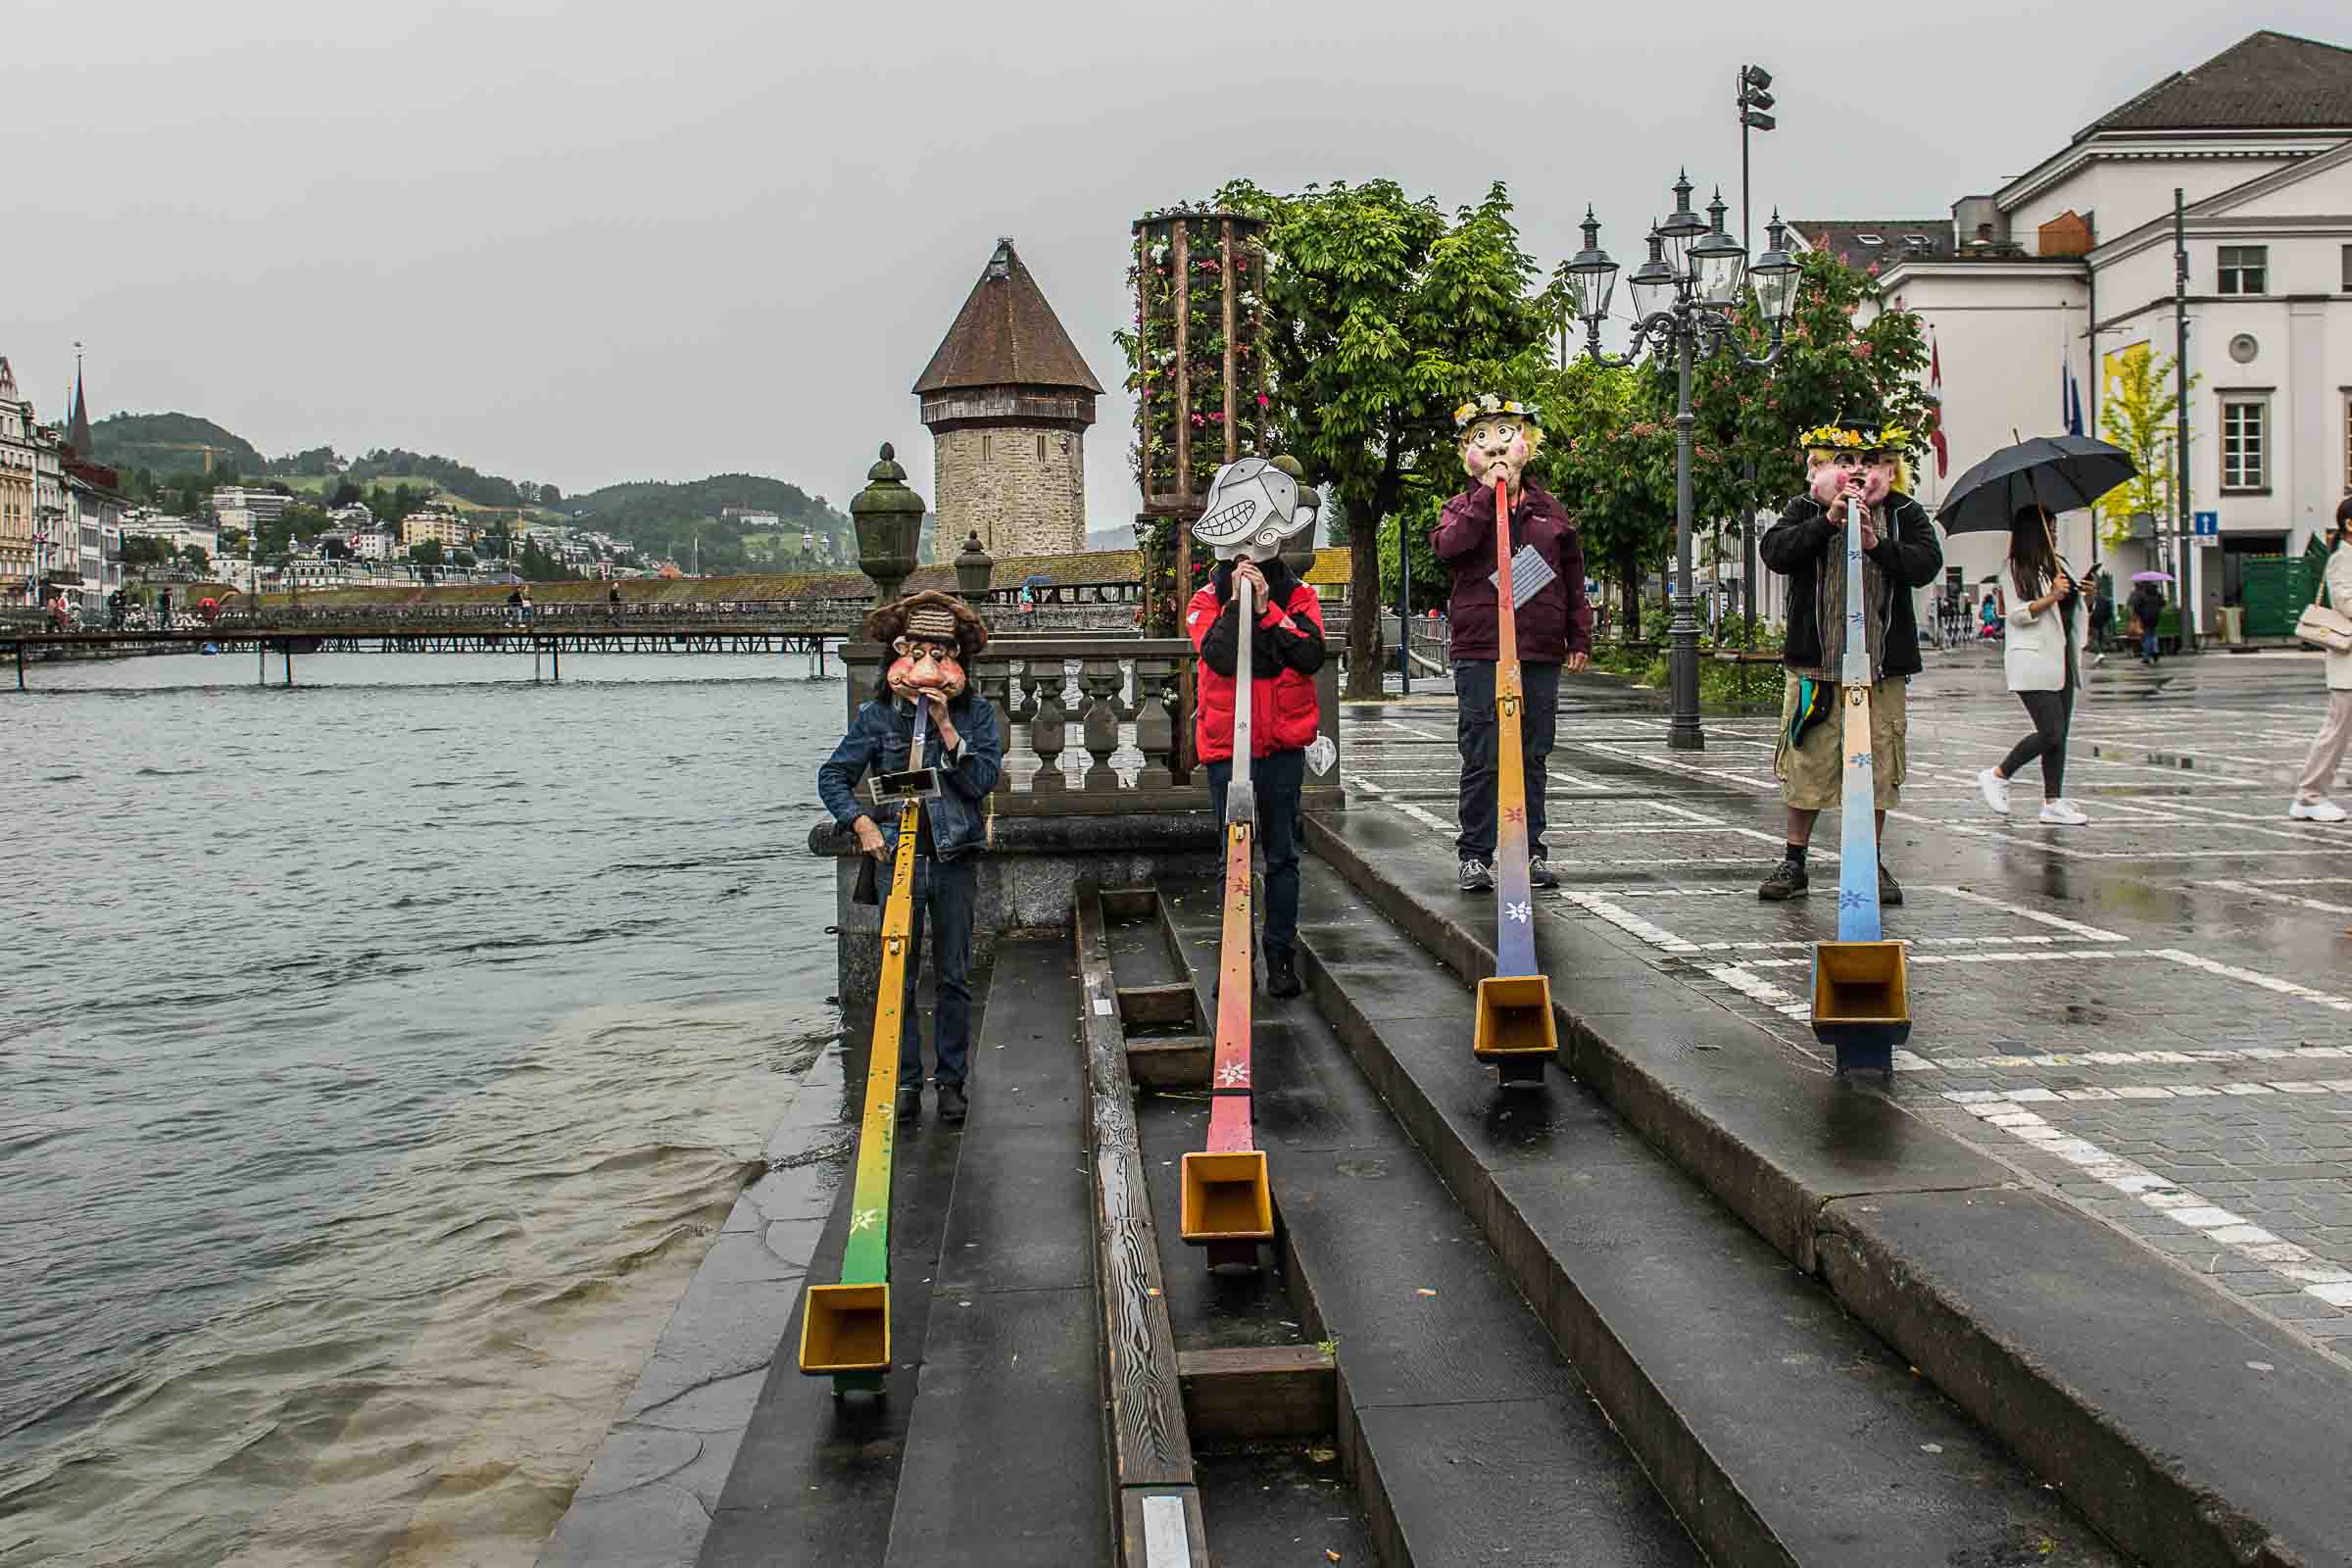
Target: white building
2069,266
248,506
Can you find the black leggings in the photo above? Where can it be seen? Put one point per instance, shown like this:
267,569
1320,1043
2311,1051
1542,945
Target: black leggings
2049,711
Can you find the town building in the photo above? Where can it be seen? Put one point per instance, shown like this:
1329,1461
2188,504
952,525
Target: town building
18,573
1008,399
2063,275
248,509
445,528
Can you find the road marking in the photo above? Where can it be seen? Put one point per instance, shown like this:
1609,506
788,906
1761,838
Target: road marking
2230,971
1738,977
1625,920
2253,892
1426,818
2091,932
1357,781
2315,1275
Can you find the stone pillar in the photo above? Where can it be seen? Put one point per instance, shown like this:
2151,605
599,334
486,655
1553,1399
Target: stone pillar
889,518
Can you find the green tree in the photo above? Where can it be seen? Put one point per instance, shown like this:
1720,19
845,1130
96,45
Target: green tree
1383,314
193,558
2137,415
428,553
145,549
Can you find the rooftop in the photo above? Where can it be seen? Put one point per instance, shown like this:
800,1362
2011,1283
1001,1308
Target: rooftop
1861,242
2265,82
1007,335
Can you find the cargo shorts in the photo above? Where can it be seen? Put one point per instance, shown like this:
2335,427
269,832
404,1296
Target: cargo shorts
1813,774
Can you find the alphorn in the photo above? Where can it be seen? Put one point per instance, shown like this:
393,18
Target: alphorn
1861,982
845,1328
1515,1030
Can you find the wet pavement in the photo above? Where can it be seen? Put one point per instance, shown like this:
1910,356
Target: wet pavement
2150,1014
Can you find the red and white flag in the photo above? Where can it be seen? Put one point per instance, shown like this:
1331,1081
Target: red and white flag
1944,451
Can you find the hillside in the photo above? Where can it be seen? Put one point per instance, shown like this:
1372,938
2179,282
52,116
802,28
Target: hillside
662,518
171,444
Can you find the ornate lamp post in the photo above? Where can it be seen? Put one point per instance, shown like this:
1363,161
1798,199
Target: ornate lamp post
972,569
890,521
1684,296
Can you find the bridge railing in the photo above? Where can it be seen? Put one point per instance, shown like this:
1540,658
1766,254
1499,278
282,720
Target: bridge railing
840,616
1097,725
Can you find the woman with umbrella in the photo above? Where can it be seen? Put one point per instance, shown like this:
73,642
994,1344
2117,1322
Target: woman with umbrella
2042,658
2146,604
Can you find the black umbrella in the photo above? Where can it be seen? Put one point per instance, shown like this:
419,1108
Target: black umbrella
2060,472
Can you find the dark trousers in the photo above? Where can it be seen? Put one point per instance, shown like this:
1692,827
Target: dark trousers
1276,781
1474,732
945,890
2147,646
2051,713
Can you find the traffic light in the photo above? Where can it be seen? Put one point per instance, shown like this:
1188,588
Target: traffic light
1755,99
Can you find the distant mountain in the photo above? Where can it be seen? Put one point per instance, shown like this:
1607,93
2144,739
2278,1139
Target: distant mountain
665,519
466,484
167,444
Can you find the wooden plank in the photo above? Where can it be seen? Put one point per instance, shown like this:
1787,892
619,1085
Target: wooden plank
1150,1447
1257,1393
1174,1061
1161,1006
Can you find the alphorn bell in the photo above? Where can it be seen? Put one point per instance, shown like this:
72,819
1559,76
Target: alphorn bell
845,1328
1515,1029
1861,983
1227,1203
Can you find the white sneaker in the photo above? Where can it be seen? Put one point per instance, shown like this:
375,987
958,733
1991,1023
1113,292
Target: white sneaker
2062,813
2322,810
1997,790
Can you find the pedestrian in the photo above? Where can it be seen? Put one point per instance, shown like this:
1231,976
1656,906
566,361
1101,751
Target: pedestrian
514,605
2042,659
1990,618
1028,603
2146,604
936,640
162,606
1286,649
2102,618
526,606
612,604
2311,804
1844,464
1497,441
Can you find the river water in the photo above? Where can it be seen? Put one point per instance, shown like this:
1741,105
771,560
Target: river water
377,1059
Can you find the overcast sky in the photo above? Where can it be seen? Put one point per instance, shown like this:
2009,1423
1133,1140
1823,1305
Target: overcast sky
587,242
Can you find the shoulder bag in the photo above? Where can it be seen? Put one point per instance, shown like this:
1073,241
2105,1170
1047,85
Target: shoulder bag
2325,625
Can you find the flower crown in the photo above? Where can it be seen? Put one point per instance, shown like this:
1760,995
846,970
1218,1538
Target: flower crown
1841,438
1487,406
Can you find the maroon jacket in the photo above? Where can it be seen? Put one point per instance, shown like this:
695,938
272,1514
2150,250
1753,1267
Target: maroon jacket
1553,624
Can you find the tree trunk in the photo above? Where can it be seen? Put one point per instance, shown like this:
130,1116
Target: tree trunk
1363,606
1629,594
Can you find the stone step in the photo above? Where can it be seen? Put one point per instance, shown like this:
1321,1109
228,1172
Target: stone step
1780,1430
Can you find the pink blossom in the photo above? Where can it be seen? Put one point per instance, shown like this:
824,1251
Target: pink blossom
1262,400
1861,351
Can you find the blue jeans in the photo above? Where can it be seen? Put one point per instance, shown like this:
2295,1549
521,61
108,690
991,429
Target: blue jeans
1474,732
945,892
2147,645
1276,781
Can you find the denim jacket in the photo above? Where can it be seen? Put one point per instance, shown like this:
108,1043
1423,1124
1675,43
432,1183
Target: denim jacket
878,741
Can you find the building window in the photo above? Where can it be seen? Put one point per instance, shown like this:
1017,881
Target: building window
984,443
2245,268
1041,448
2245,446
2349,269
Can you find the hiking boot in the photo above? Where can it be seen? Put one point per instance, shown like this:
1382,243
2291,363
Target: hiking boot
910,1104
1476,878
1890,892
1282,974
952,1103
1786,880
1540,873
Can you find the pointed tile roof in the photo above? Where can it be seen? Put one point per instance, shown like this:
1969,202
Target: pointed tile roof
1007,335
8,379
2267,81
77,434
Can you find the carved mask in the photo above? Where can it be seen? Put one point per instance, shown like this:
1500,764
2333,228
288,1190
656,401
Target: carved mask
1494,447
925,669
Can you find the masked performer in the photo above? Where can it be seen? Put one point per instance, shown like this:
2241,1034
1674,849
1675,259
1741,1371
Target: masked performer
1498,439
934,638
1899,554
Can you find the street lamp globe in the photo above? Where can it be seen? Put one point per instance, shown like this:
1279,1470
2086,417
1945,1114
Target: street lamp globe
1591,277
1683,227
1653,282
1717,261
1775,275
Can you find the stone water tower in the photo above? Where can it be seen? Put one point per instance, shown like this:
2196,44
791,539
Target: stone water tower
1008,399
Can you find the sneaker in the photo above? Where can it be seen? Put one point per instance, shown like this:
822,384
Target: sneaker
2098,658
1540,873
1995,790
2319,810
1476,878
910,1104
2063,814
1890,892
1282,974
952,1103
1786,880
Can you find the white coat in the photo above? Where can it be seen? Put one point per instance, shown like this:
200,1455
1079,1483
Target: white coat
2033,645
2339,598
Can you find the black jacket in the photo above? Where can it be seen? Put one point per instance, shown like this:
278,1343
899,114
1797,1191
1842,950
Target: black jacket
1272,650
1801,543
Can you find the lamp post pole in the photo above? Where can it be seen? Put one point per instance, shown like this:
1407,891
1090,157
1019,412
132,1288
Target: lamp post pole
1687,304
1755,100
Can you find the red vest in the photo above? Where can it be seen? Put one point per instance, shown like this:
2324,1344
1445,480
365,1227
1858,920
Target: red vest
1284,715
